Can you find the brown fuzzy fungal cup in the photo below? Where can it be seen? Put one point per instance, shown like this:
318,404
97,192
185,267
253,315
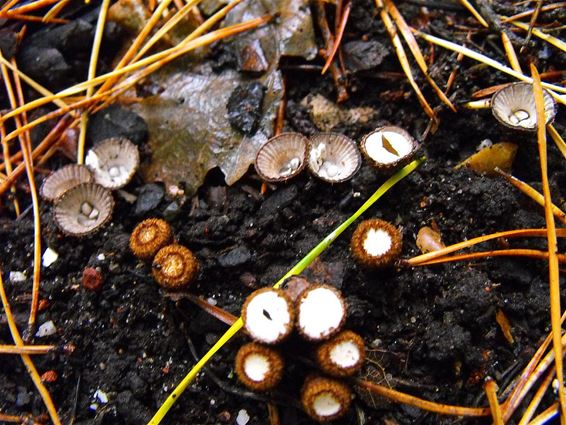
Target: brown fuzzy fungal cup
84,209
258,367
514,106
388,147
325,399
174,267
376,243
282,157
321,312
268,315
342,355
63,179
113,162
333,157
150,236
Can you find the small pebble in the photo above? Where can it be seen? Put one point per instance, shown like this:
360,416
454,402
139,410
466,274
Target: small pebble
49,257
101,396
17,277
243,418
46,329
149,198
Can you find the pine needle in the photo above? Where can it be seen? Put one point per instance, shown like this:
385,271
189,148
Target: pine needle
474,12
556,42
560,144
490,388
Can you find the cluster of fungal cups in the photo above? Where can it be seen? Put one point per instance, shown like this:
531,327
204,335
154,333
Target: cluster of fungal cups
82,195
173,266
332,157
318,313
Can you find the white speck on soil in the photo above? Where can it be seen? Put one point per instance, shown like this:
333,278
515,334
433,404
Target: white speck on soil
17,277
49,257
46,329
243,418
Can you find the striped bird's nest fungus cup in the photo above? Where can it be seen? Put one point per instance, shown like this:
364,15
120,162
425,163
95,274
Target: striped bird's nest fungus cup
388,147
343,355
376,243
321,312
514,106
63,179
282,157
325,399
113,162
84,209
174,267
150,236
268,315
333,157
258,367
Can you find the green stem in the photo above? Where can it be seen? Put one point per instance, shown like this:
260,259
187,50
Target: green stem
297,269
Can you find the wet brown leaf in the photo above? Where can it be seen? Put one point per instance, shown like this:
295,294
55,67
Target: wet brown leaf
499,155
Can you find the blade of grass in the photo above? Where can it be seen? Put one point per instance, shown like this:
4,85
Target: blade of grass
26,358
444,409
490,388
402,56
100,24
553,270
416,51
560,144
297,269
474,12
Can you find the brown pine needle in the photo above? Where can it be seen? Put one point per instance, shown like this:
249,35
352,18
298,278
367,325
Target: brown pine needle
17,419
527,13
26,358
30,7
537,397
100,24
474,241
553,270
32,18
338,36
416,51
444,409
402,56
8,164
546,416
26,349
516,252
510,53
55,10
25,143
474,12
490,388
532,24
556,42
532,193
8,5
217,312
560,144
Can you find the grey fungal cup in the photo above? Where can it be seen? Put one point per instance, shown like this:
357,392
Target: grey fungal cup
63,179
333,157
113,162
388,147
282,157
83,209
514,106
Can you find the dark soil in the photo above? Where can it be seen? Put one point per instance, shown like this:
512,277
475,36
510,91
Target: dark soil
433,328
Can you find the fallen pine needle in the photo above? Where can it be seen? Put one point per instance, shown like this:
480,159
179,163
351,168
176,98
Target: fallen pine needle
490,388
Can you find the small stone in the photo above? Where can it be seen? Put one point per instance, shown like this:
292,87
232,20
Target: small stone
249,280
17,277
23,398
149,198
224,417
46,329
243,417
171,211
92,279
101,396
8,43
116,121
49,257
364,55
244,107
235,257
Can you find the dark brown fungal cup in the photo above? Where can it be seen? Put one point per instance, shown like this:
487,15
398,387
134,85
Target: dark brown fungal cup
113,162
388,147
333,157
514,106
84,209
325,399
150,236
174,267
258,367
63,179
282,157
342,355
376,243
268,315
321,312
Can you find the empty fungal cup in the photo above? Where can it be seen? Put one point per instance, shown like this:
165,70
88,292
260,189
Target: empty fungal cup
282,157
514,106
333,157
388,147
